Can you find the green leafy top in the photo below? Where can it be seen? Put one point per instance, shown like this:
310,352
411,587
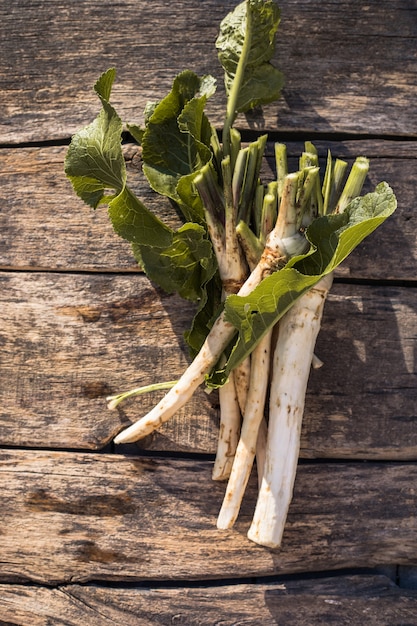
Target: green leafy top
245,45
179,146
181,261
94,160
176,141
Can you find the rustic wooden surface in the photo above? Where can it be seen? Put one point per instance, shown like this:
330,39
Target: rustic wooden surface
371,600
350,70
111,517
97,534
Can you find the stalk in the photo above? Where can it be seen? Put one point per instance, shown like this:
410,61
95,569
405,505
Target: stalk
269,215
281,166
298,330
217,339
249,183
233,272
242,379
231,107
261,449
289,218
239,174
235,146
214,210
333,185
354,183
250,244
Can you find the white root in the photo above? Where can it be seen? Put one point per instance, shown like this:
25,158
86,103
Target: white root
298,330
246,448
232,397
261,450
217,339
242,380
233,271
229,431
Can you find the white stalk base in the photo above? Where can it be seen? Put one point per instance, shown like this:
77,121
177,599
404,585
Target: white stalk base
298,330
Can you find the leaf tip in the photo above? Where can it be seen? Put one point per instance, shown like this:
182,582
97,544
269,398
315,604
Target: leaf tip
104,84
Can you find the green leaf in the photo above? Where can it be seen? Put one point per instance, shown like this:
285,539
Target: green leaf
332,238
249,38
208,311
185,266
189,200
135,223
262,86
94,160
136,132
181,261
176,141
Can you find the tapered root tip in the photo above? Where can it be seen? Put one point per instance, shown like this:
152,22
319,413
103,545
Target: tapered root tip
225,520
263,542
129,435
120,438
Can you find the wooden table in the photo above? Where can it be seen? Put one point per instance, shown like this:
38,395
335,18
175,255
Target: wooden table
97,535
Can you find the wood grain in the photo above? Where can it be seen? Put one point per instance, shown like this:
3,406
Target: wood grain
43,225
346,71
130,538
72,517
353,600
66,344
70,340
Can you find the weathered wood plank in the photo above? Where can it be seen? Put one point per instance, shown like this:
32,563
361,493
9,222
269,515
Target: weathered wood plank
356,600
44,226
68,341
66,344
82,517
349,67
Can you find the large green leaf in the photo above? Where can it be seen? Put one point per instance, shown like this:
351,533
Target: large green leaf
248,33
176,141
135,223
94,160
332,238
185,266
181,261
94,163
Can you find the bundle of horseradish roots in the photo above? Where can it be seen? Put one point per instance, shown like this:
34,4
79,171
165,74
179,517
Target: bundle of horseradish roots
257,258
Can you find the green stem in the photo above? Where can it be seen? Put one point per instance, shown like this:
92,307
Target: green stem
282,167
235,146
269,216
239,175
113,401
333,183
308,209
250,182
250,244
234,271
231,109
354,183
